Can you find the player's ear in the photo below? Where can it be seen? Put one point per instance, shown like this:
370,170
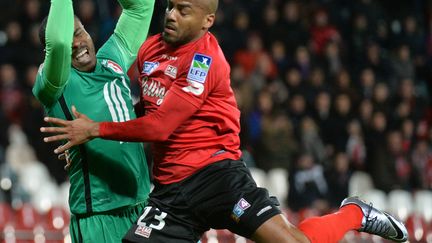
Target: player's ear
208,21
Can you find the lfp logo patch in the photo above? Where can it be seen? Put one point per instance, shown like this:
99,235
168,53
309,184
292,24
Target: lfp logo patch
199,68
149,67
143,231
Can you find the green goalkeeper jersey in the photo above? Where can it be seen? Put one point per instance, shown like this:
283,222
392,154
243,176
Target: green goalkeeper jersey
104,174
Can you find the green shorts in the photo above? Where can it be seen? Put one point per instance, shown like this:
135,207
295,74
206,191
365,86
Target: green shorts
107,227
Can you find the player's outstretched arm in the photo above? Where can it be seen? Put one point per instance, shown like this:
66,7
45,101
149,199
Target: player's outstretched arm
78,131
156,126
58,50
133,26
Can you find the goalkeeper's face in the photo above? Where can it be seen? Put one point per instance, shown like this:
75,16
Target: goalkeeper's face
83,50
187,20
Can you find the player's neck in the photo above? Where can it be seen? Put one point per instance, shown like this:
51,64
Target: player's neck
190,42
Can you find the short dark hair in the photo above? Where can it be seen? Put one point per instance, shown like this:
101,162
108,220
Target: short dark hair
42,30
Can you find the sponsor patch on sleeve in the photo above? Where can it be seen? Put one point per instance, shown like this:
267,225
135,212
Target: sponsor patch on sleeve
149,67
113,66
199,68
171,71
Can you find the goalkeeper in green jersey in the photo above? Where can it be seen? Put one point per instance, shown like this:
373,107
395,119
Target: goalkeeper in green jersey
109,179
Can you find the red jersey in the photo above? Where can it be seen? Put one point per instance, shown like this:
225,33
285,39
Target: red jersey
195,74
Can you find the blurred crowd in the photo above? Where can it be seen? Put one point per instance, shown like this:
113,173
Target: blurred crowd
326,87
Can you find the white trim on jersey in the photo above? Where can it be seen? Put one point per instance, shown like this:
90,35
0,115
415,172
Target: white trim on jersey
122,101
109,103
116,103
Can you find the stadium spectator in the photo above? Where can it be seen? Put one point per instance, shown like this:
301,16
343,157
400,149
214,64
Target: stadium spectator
308,185
422,161
277,146
355,148
343,84
322,32
255,58
402,66
311,142
337,177
294,32
376,58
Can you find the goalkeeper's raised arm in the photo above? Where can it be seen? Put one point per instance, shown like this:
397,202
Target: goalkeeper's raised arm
133,26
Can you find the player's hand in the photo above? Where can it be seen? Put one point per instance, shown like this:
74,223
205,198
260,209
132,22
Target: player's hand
80,130
65,156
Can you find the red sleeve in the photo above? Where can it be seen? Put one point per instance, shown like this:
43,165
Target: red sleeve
156,126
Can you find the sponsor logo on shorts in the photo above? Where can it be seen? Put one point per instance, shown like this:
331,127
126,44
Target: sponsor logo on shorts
239,209
243,204
149,67
263,210
143,231
199,68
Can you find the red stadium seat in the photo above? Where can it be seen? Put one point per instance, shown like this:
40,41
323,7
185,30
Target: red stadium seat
57,218
56,225
27,217
429,233
6,215
417,228
7,230
27,221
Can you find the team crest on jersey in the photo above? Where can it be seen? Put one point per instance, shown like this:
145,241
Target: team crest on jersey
149,67
239,209
171,71
113,66
143,231
199,68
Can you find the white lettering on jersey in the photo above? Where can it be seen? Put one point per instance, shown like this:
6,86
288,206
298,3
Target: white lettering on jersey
171,58
195,88
153,88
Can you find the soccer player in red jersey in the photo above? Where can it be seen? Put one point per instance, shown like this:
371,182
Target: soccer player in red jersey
191,118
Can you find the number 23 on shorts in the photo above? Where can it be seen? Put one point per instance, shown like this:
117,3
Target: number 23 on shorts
152,216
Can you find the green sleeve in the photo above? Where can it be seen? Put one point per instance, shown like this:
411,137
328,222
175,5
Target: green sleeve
131,31
58,51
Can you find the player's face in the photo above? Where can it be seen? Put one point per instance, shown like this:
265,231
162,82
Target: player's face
83,50
186,21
